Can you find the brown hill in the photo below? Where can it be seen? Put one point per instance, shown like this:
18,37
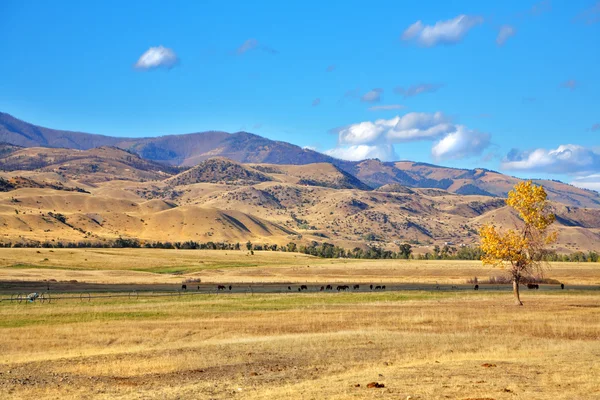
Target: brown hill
191,149
186,150
219,170
94,165
276,210
319,174
480,182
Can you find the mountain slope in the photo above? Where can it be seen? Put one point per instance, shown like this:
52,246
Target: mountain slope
191,149
217,170
96,165
17,132
222,200
186,150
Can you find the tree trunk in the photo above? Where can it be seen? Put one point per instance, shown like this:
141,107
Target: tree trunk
516,292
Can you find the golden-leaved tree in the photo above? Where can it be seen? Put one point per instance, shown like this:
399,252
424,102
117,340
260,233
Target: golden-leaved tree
520,249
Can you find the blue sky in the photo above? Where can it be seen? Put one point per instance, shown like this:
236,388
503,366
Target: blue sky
507,85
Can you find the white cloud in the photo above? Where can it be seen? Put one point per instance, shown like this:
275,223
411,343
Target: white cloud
460,144
372,96
410,127
588,182
156,57
443,32
384,152
387,107
453,141
566,159
505,32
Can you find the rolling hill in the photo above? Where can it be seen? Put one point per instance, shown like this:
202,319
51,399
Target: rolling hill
163,153
63,199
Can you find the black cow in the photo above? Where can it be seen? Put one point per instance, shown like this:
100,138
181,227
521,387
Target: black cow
299,289
371,287
183,287
329,287
476,287
230,287
533,286
383,287
322,288
220,287
356,287
303,287
289,288
377,287
562,285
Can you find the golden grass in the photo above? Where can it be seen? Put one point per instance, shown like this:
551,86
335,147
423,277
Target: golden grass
168,266
309,346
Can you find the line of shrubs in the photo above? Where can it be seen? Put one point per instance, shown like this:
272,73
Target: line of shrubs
323,250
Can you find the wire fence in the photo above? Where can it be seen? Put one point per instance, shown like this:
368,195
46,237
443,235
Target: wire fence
87,295
47,297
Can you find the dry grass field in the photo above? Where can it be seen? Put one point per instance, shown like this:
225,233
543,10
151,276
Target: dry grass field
308,346
173,266
418,344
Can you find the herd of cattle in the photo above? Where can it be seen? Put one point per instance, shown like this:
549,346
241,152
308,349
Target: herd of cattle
301,288
343,288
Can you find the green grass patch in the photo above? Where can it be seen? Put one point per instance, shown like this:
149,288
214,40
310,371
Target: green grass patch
44,266
59,318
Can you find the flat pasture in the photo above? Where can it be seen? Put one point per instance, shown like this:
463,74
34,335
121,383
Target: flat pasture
419,344
153,266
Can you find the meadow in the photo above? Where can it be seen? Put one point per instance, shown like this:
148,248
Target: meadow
418,344
174,266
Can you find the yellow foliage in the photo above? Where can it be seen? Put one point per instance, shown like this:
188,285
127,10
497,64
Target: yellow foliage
520,247
499,248
529,200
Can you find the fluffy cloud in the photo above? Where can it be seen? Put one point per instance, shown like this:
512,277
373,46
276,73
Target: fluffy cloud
387,107
588,182
453,141
460,144
566,159
385,152
316,102
415,90
581,163
410,127
443,32
156,57
505,32
372,96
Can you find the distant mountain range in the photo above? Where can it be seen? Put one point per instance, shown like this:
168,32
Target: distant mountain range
191,149
55,194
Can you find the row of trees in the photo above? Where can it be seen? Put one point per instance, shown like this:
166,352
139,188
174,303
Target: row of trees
325,250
